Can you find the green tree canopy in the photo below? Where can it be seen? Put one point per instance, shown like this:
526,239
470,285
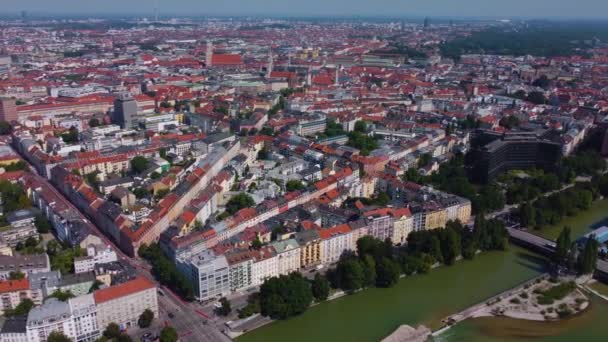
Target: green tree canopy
320,287
57,336
145,319
139,164
168,334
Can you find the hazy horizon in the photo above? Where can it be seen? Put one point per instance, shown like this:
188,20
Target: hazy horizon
582,9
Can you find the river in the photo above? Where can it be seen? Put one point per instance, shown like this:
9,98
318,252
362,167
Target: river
370,315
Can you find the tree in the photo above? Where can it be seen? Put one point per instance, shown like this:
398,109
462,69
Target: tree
124,337
43,225
61,295
145,319
369,270
168,334
95,286
527,215
588,258
450,245
542,82
350,274
71,136
562,246
387,273
5,128
166,272
294,185
225,309
239,202
21,309
285,296
361,126
536,97
256,243
139,164
112,331
16,275
57,336
94,122
320,287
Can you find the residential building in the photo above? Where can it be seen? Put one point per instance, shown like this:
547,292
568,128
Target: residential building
265,265
334,242
210,275
288,254
310,248
27,264
12,292
84,315
240,263
124,303
53,315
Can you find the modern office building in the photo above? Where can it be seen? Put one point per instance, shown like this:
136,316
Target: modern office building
494,153
210,275
125,110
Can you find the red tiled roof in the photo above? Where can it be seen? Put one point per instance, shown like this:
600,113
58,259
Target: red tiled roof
125,289
226,60
14,285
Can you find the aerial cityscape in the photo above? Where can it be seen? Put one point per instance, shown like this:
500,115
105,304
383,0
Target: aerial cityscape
275,171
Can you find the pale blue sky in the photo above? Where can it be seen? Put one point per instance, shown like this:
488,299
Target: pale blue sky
448,8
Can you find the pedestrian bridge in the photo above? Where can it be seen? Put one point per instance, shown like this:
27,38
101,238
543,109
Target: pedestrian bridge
547,248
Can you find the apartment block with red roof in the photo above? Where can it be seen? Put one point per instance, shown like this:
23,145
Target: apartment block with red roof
124,303
12,292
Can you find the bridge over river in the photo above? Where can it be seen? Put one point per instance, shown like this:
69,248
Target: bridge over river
547,247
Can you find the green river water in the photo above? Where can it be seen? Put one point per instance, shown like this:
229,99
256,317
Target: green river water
371,315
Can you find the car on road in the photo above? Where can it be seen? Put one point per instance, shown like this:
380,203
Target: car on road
171,315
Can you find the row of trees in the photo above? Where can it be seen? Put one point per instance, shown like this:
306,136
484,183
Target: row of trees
166,272
567,253
452,178
552,209
376,263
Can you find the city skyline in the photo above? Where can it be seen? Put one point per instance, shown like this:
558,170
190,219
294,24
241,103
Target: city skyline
584,9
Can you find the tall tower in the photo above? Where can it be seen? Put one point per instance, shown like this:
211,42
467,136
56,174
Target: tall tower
270,64
155,11
125,110
209,53
337,79
309,77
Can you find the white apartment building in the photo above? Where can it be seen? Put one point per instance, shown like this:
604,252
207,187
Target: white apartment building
288,254
53,315
265,265
84,314
124,303
334,241
209,273
99,254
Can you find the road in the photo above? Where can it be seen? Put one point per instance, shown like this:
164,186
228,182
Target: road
188,317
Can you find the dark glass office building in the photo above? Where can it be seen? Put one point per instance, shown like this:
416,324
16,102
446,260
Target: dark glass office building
493,153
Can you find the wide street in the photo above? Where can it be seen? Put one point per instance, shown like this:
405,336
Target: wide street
187,320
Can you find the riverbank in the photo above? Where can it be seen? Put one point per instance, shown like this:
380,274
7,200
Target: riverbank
581,224
543,300
588,326
373,314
